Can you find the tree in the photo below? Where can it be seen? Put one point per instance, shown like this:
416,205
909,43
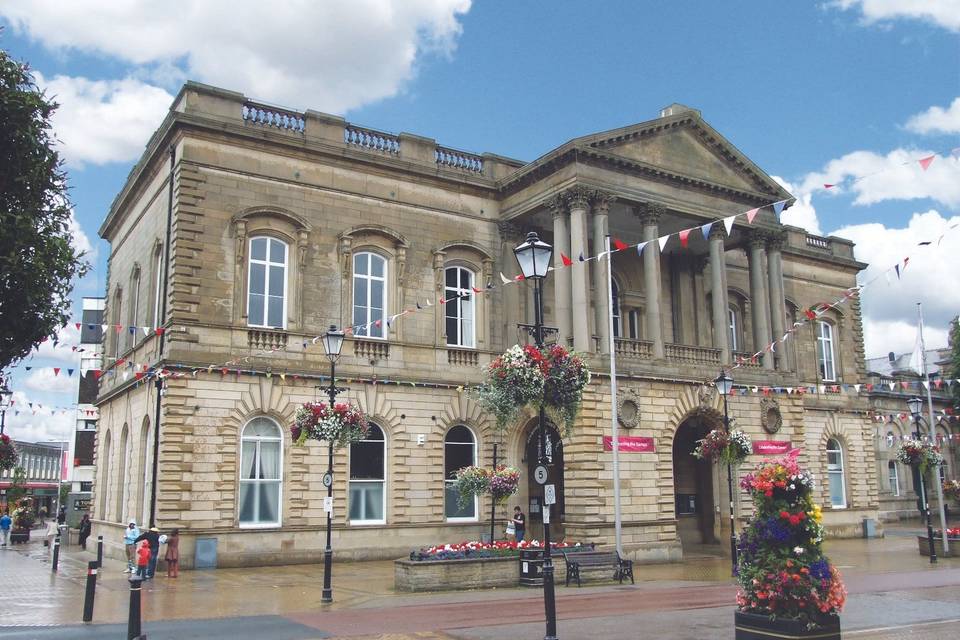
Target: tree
37,262
952,370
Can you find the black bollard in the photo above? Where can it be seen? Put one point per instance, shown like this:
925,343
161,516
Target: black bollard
91,591
99,551
133,619
56,554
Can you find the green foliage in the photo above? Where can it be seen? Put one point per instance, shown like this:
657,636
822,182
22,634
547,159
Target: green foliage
953,368
18,488
37,262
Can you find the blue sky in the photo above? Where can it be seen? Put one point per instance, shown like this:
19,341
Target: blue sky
851,91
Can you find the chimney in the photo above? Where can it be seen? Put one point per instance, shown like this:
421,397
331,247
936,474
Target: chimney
891,357
676,109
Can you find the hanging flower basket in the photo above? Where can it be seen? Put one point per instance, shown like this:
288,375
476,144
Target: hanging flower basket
732,448
8,453
504,482
469,483
341,425
919,453
782,571
527,376
951,490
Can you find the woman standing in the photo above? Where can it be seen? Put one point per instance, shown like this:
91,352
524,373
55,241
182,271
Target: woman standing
172,556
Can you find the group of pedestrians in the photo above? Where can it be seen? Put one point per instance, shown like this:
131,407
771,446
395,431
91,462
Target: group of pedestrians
143,550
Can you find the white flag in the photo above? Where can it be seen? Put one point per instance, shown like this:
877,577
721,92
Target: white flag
916,359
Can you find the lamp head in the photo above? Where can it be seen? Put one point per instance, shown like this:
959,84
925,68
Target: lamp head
916,406
333,342
533,256
724,383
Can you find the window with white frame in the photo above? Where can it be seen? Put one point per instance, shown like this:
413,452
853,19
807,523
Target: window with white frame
368,478
261,473
733,329
633,324
369,295
838,496
891,439
894,477
825,352
459,451
157,287
267,283
460,307
617,331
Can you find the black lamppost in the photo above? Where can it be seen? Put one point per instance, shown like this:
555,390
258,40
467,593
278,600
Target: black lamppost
332,343
916,406
5,396
724,383
533,256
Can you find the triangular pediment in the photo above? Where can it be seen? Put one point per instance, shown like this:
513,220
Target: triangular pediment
687,146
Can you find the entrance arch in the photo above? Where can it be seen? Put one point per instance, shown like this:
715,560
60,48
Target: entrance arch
693,486
553,453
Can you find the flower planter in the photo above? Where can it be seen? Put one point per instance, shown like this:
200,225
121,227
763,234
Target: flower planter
753,626
924,545
19,536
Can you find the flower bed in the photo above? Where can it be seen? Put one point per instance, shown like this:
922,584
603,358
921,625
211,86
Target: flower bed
496,549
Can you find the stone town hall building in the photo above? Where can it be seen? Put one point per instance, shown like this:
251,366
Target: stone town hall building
284,223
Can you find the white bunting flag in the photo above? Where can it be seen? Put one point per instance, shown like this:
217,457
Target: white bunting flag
663,241
728,223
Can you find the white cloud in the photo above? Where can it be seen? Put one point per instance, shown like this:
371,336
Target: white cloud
67,337
37,424
801,213
929,278
945,13
80,240
895,176
936,120
101,121
330,56
45,380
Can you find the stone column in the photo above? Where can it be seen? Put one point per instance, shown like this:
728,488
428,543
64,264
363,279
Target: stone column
777,305
561,275
758,299
650,218
718,293
601,300
578,199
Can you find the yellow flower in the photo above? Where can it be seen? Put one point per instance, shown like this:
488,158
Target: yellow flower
816,513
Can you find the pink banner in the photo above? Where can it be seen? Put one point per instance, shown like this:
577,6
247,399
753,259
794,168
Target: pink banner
771,447
629,444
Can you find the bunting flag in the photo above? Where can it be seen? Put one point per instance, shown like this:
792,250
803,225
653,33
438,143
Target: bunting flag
751,215
829,186
566,261
581,256
685,237
706,230
728,223
925,162
778,208
641,246
663,241
897,267
618,245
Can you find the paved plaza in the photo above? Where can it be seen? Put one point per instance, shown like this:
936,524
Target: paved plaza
894,593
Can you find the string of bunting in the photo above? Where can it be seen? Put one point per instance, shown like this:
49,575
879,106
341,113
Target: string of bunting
924,163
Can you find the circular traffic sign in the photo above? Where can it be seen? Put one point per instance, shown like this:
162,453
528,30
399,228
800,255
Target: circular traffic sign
540,474
327,479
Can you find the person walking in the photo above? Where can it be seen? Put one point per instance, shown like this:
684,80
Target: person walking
172,555
84,530
130,535
5,524
143,560
519,524
152,537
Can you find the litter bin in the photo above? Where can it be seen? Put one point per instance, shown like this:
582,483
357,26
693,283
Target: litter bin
531,568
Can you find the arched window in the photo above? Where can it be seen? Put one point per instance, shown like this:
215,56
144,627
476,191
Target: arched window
157,286
733,329
825,353
123,484
261,473
617,331
369,295
131,328
460,307
459,451
267,283
368,478
894,477
838,496
103,470
633,324
146,470
117,320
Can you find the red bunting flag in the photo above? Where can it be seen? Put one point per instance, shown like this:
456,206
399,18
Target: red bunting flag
475,290
56,371
159,331
619,245
684,238
828,186
519,278
138,375
566,261
78,326
810,314
97,373
925,162
751,215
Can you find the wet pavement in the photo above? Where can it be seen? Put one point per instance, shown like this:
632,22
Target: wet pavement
894,593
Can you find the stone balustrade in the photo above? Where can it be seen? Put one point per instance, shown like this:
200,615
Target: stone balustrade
463,357
744,360
634,348
371,349
691,354
453,159
371,139
266,339
267,116
816,242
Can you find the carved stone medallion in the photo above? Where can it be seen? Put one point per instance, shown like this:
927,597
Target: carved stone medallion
770,417
628,408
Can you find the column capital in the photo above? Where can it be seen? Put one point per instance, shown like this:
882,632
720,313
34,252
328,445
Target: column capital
558,204
757,240
577,197
776,239
649,212
718,231
601,201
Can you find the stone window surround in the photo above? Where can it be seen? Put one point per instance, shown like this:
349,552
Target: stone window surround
836,325
134,309
267,264
282,471
385,327
474,258
387,502
280,224
842,448
391,246
476,448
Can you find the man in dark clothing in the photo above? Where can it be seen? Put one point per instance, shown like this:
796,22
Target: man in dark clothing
84,527
62,515
153,539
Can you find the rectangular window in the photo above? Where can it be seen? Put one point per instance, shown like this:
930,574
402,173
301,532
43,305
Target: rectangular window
835,476
894,478
267,283
369,295
458,292
634,319
825,353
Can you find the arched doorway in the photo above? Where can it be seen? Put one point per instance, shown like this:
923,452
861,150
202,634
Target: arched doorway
553,455
693,486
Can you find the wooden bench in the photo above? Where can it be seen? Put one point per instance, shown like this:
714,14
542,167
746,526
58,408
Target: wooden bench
589,560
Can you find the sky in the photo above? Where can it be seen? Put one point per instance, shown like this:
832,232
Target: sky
845,92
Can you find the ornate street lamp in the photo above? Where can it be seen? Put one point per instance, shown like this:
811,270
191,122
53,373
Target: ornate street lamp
332,344
533,256
724,384
916,406
5,397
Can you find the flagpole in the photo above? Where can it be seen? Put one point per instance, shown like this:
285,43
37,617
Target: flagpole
617,524
933,433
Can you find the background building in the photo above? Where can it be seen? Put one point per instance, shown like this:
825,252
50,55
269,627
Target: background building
44,464
83,438
285,223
